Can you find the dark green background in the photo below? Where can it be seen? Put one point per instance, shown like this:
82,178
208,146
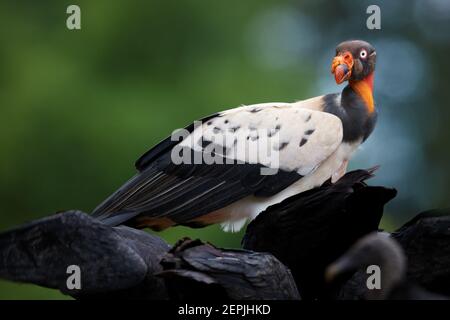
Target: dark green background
77,108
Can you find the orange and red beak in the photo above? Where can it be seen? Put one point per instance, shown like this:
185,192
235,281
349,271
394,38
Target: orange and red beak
342,66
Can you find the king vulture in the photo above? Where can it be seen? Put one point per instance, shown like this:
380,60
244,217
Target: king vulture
230,166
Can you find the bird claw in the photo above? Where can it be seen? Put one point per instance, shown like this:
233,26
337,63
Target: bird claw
340,172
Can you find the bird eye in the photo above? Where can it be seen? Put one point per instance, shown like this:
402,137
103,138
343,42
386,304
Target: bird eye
363,53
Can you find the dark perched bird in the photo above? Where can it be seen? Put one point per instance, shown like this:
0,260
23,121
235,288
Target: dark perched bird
126,263
117,262
195,270
380,250
308,231
425,240
234,164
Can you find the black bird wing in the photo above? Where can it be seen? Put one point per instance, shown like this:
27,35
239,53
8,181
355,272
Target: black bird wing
426,242
41,251
193,269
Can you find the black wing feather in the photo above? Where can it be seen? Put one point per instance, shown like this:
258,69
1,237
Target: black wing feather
184,192
165,146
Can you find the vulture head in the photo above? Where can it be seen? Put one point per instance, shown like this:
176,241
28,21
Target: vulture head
375,249
354,61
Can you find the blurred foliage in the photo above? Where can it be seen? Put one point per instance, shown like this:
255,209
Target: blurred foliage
77,108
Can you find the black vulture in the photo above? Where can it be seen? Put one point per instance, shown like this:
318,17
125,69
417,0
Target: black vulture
122,262
310,230
304,233
114,262
381,251
425,240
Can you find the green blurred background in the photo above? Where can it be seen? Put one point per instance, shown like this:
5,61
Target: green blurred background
77,108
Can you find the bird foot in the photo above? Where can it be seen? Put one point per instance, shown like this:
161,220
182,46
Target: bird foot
340,172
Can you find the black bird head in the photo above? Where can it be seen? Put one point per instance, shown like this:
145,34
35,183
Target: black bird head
354,61
374,249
